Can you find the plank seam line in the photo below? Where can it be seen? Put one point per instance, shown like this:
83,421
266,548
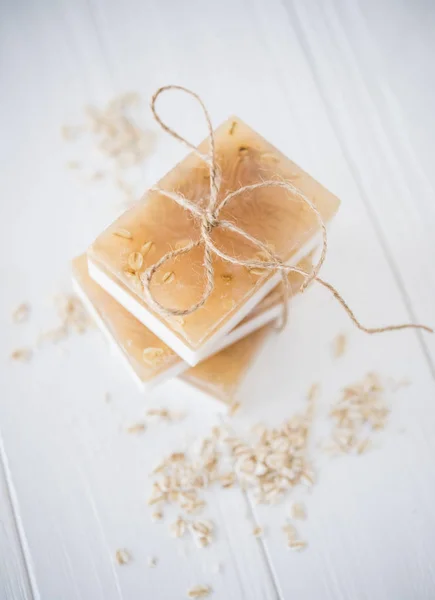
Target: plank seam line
101,42
264,550
18,525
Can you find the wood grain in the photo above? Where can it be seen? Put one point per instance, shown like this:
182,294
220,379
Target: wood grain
14,571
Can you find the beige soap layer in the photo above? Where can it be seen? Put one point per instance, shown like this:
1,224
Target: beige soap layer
147,354
157,224
221,375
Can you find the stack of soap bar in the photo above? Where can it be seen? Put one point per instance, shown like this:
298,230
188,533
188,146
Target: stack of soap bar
157,224
218,340
150,361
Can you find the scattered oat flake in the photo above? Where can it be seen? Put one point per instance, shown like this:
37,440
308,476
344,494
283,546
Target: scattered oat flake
156,516
96,176
262,255
401,383
339,345
55,335
156,498
273,158
257,531
114,132
202,531
361,409
313,392
116,135
122,556
199,591
232,127
146,248
135,261
70,132
203,541
203,526
162,413
152,562
363,446
123,233
122,185
233,408
21,313
228,480
257,271
297,545
176,456
290,530
22,354
178,528
307,479
267,462
259,429
168,277
226,277
136,428
182,243
298,511
73,318
73,165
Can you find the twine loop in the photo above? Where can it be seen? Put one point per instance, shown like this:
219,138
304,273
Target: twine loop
209,220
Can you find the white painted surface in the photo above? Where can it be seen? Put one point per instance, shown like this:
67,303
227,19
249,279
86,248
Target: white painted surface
347,91
14,575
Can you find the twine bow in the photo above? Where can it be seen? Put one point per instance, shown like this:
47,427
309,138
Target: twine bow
209,219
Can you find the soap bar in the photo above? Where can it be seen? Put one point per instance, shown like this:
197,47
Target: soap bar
148,359
157,224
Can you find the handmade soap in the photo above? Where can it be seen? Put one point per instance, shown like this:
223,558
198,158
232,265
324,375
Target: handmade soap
157,224
149,360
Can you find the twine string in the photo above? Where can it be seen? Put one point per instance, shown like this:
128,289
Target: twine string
209,220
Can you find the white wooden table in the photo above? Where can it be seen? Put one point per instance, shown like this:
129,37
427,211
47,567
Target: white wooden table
346,90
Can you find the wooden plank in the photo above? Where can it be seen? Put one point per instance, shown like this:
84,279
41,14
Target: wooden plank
393,180
14,575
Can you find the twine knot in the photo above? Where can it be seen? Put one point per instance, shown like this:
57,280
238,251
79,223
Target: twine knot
209,219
